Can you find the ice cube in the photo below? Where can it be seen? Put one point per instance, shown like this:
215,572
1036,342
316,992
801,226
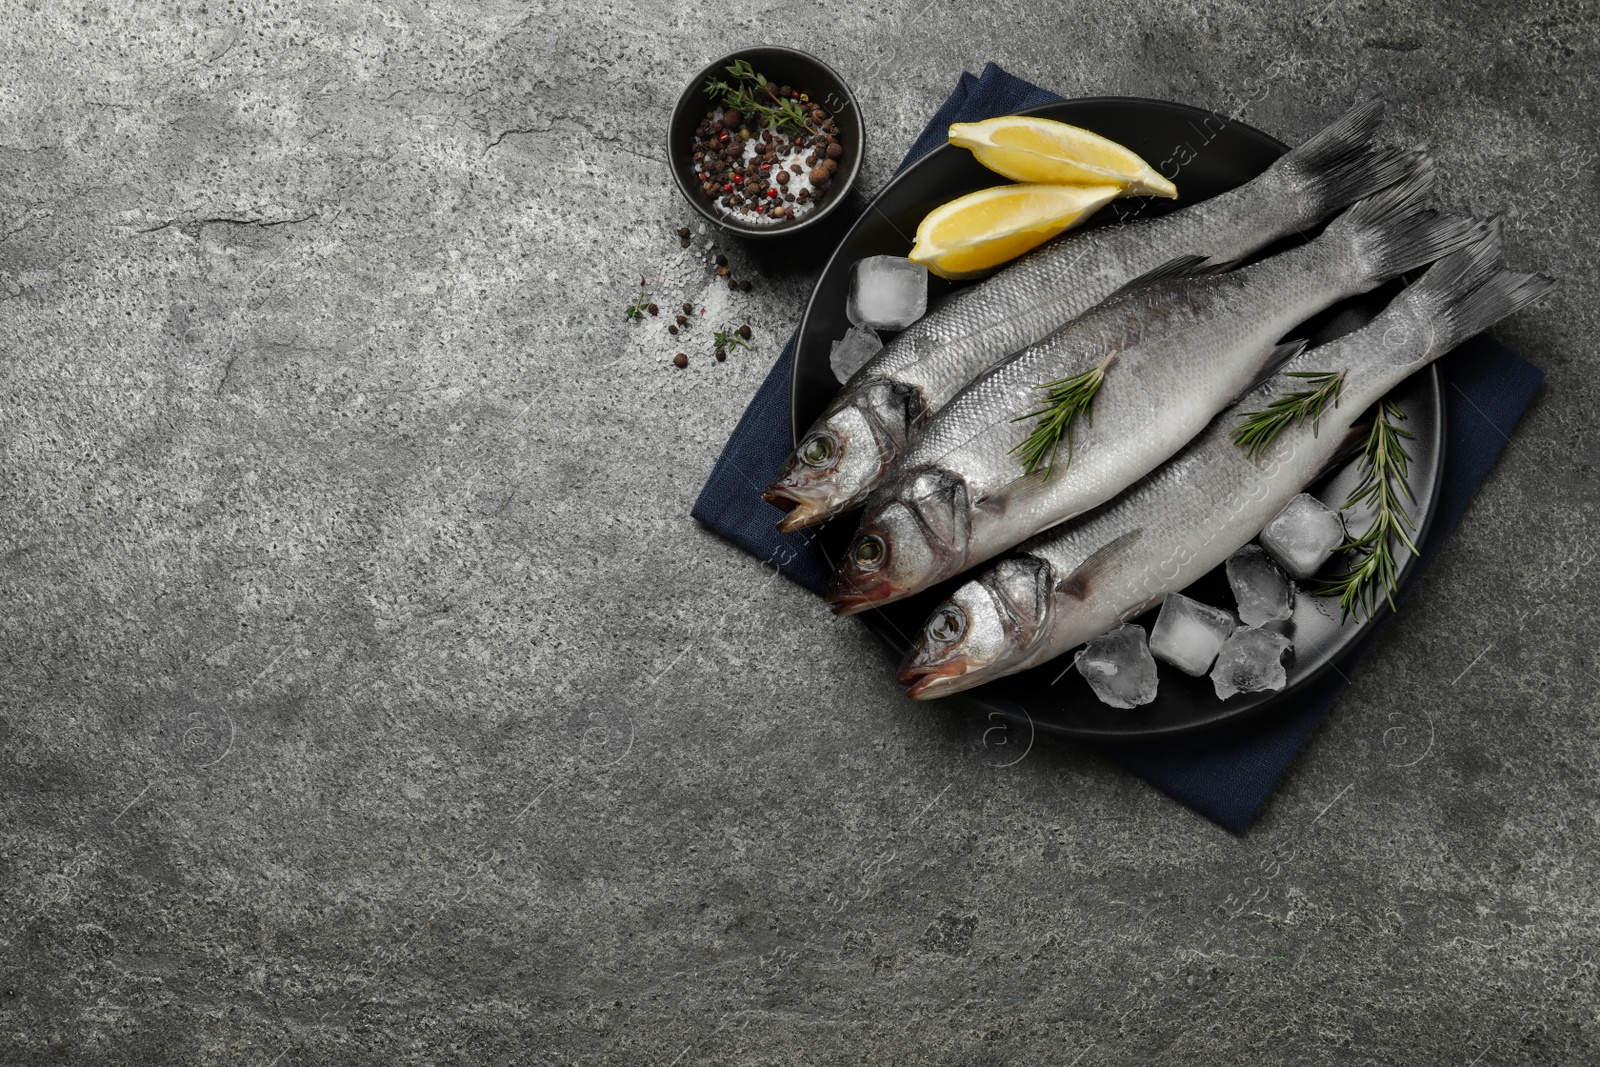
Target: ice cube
1303,535
887,292
1118,667
1259,586
1188,633
1251,661
853,351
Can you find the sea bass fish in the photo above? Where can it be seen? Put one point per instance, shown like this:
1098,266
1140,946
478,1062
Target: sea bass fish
1089,576
849,448
1173,353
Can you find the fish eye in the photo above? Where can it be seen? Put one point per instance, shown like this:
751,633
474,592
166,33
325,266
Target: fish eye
946,625
818,450
868,551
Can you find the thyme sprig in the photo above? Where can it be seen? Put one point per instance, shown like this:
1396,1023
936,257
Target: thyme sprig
1385,468
1258,429
641,304
729,338
1065,400
749,90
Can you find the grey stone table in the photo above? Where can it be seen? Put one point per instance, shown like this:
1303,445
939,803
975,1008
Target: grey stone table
369,698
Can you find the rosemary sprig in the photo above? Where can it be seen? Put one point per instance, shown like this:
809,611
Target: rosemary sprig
1386,467
1065,400
1258,429
782,112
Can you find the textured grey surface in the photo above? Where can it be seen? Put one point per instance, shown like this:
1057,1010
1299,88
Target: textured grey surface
369,698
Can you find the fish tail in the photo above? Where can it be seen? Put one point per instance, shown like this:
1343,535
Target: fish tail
1461,295
1340,165
1505,293
1470,312
1391,232
1460,272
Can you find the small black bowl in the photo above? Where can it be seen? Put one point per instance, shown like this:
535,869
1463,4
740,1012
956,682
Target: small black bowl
784,66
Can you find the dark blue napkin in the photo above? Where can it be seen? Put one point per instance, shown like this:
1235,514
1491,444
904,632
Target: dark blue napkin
1225,774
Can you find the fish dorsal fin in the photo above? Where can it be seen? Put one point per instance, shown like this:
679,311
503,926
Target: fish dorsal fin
1182,267
1080,583
1280,355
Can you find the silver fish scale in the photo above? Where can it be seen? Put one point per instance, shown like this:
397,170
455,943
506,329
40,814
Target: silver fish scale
1197,510
1185,348
977,426
1023,303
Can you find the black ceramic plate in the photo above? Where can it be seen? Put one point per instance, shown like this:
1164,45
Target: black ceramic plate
1213,154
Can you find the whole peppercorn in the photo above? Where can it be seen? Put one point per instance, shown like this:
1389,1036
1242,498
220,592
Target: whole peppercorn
731,118
835,150
683,231
832,165
744,287
653,310
683,320
722,261
688,309
722,354
673,330
744,332
684,242
820,174
722,272
783,177
778,212
680,360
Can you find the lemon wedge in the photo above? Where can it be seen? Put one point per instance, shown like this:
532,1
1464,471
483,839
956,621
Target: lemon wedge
1028,149
975,233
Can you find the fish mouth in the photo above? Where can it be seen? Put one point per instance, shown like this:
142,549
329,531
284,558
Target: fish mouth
848,597
780,499
930,680
799,512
